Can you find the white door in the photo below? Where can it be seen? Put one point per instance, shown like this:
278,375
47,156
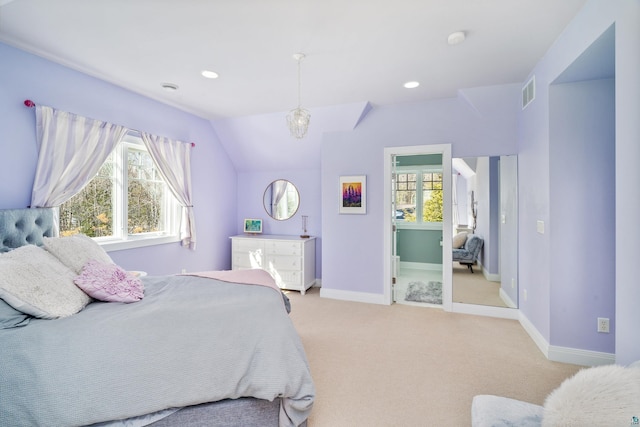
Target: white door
394,230
390,228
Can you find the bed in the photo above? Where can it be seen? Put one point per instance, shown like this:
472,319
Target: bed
194,350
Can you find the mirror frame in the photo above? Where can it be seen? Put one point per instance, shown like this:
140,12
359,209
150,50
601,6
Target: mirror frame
267,204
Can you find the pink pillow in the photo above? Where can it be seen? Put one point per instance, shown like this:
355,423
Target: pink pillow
109,282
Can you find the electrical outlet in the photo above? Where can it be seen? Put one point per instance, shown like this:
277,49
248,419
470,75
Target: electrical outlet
524,294
184,270
513,283
603,325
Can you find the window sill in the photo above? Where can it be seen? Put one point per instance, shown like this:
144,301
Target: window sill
118,245
419,225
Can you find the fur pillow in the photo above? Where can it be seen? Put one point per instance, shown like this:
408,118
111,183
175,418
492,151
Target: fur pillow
75,251
34,282
459,240
600,396
109,282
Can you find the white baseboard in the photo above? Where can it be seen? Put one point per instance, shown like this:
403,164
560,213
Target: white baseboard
505,298
574,356
317,283
353,296
420,266
490,277
577,356
536,336
485,310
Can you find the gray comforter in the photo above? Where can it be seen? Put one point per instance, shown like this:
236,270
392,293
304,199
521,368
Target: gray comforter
190,340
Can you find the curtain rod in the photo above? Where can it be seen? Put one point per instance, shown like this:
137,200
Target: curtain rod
29,103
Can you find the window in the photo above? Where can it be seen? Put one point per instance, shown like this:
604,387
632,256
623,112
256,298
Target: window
419,206
127,203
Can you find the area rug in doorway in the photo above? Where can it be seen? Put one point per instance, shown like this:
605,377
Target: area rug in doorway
430,292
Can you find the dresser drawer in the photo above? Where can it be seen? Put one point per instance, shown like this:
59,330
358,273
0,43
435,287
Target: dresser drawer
248,259
247,245
287,279
282,262
283,248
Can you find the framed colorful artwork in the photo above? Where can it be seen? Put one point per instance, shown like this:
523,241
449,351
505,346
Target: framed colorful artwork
253,226
353,194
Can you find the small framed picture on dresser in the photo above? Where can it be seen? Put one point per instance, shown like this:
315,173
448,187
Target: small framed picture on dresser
253,226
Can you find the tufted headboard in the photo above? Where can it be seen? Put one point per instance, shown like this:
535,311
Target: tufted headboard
19,227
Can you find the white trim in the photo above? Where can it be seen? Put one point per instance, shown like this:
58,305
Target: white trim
317,283
507,300
490,277
118,245
389,153
577,356
485,310
353,296
420,266
401,224
574,356
535,335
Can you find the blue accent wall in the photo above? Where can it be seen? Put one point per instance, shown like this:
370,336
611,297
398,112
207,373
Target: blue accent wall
419,246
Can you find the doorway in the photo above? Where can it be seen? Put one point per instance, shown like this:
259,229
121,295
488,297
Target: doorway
417,194
422,262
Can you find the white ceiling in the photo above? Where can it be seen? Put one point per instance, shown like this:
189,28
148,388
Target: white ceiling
356,50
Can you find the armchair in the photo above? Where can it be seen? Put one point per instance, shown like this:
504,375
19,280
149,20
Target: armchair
468,253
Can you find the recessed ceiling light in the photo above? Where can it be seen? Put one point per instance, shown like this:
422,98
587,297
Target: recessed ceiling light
209,74
456,38
411,85
169,87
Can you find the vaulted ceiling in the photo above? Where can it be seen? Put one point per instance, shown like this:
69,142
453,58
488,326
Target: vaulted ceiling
356,50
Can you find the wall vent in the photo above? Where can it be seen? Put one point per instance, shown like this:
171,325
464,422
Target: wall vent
529,92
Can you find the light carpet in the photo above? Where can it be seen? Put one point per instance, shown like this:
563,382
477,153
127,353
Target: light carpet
402,365
474,288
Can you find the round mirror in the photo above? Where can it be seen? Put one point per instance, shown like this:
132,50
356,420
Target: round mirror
281,199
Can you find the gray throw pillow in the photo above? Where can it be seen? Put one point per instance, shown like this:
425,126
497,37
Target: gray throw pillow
12,318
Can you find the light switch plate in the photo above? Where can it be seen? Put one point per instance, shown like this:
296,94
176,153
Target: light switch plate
540,227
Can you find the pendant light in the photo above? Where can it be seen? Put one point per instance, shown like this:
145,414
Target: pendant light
298,118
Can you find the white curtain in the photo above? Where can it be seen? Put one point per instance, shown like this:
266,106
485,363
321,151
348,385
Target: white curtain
454,199
278,190
173,159
71,150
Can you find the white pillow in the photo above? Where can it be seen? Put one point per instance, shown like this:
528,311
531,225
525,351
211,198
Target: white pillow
600,396
459,240
75,251
34,282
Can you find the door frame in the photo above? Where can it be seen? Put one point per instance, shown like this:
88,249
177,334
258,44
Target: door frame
447,228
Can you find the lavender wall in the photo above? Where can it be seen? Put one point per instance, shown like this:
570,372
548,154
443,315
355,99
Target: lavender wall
480,122
250,205
509,228
582,208
541,308
352,245
25,76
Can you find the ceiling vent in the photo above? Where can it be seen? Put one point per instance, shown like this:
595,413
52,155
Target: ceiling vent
529,92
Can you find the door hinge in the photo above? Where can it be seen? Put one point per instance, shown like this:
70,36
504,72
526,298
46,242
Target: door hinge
393,280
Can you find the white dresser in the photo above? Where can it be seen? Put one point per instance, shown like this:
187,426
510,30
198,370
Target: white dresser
290,260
